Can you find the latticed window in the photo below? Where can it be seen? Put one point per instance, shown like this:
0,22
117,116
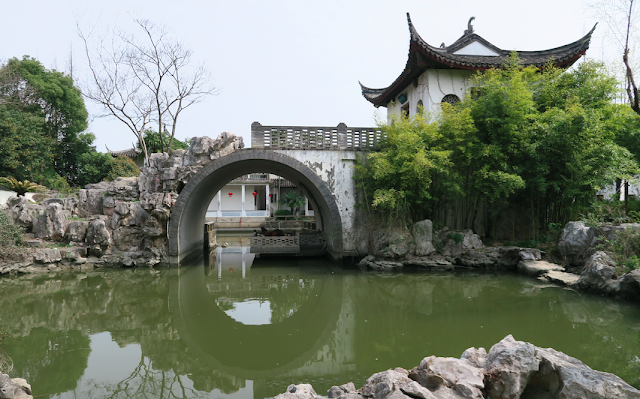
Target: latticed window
451,99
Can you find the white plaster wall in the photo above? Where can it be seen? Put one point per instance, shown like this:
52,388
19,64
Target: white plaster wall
336,169
431,87
234,203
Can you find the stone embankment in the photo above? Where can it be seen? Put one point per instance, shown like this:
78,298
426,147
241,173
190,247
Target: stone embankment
119,223
511,369
585,268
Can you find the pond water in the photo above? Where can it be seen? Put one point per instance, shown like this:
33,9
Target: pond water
237,327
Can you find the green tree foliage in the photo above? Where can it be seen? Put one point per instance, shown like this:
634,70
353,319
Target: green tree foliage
122,167
42,115
542,140
154,144
26,150
399,179
95,166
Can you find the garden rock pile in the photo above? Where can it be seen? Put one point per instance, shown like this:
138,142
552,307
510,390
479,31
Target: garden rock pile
123,222
511,369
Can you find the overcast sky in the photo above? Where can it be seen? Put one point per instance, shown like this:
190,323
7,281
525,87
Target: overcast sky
289,62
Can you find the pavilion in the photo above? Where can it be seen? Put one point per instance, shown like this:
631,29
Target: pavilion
434,75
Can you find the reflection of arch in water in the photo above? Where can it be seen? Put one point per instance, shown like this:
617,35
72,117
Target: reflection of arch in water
252,351
185,226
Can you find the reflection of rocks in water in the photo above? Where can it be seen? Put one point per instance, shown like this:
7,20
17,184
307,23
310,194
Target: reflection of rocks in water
52,361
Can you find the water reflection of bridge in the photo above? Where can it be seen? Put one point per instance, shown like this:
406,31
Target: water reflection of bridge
309,335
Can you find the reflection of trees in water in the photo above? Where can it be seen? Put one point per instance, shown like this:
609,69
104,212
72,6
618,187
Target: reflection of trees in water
48,319
287,297
146,381
51,361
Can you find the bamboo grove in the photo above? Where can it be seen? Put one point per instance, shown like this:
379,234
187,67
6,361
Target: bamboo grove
527,147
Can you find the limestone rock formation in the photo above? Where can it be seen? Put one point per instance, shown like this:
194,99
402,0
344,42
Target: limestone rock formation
599,274
577,242
630,285
512,369
392,244
423,235
125,219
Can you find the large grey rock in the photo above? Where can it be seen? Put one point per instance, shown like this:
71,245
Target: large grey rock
476,357
458,377
52,223
77,230
386,384
599,274
90,201
47,255
23,212
510,365
577,241
97,234
204,149
423,236
392,244
471,241
630,285
14,388
568,378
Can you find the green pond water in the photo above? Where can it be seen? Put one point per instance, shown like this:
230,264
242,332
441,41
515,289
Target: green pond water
237,327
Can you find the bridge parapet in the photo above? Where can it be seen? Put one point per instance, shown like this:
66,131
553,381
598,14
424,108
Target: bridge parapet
340,137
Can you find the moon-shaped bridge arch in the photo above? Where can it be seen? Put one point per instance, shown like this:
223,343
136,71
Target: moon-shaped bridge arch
186,224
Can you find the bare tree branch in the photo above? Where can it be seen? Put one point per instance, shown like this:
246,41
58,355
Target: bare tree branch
140,80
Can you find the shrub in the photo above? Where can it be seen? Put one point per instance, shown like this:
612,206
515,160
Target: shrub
282,212
456,237
122,167
624,249
10,239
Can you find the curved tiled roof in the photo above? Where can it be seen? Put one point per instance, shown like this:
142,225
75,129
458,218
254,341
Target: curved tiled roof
423,56
129,152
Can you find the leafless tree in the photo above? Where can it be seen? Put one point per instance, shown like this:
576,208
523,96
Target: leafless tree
621,19
145,79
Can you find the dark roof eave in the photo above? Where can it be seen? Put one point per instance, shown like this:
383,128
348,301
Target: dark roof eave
413,68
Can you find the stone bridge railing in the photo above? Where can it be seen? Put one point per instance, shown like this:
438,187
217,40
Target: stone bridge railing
340,137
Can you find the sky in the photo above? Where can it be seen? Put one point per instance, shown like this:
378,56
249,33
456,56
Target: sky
288,63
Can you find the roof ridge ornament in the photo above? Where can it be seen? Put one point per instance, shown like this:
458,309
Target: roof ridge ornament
469,29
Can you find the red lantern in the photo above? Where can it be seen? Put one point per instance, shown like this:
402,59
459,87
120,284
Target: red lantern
254,193
269,195
230,194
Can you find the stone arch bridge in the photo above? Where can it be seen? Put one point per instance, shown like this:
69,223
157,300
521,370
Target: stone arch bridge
319,160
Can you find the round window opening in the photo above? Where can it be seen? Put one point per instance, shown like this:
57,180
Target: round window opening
451,99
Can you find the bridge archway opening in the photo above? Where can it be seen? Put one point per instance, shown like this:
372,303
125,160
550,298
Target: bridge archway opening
185,231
